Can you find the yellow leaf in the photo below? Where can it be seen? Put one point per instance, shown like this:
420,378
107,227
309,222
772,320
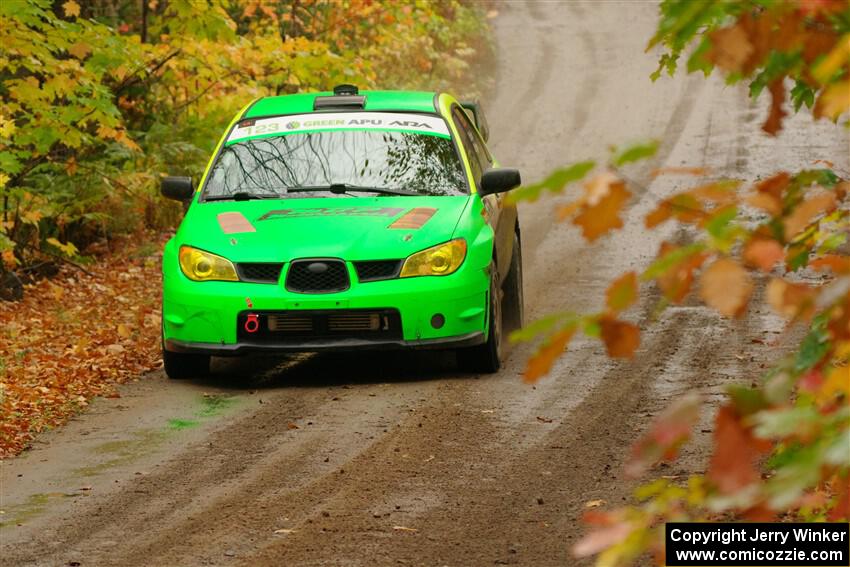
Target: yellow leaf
836,59
833,101
31,217
837,382
806,211
7,128
72,9
80,50
123,331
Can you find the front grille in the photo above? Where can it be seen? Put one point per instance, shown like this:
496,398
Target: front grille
351,322
259,272
315,326
377,270
290,324
317,276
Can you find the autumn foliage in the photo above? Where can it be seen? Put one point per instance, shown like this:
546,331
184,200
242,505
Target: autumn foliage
99,99
781,446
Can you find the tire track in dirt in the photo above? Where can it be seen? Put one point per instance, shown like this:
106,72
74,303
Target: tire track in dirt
484,469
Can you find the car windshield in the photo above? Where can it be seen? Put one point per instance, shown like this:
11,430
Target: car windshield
328,163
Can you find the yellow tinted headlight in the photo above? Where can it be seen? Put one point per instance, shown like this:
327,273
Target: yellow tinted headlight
440,260
202,266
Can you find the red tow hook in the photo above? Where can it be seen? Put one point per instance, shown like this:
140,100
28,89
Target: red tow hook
252,323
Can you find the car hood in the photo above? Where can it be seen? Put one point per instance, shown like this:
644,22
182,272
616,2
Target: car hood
363,228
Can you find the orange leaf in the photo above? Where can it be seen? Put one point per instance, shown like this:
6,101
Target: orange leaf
721,192
621,338
806,211
790,299
735,450
622,293
568,210
838,264
606,195
763,253
668,432
775,185
730,48
679,171
660,214
541,363
727,287
773,124
766,202
677,280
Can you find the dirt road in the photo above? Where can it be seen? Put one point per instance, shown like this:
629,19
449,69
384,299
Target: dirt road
372,461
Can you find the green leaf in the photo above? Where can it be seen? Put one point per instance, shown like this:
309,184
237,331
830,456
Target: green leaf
813,348
543,325
719,224
555,182
634,153
802,94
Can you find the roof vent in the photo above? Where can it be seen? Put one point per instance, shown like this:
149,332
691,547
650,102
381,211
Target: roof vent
346,90
345,97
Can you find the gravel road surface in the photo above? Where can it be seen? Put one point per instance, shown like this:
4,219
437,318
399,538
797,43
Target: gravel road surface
372,461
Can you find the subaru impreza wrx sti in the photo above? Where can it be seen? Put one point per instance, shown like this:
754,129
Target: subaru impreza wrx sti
345,220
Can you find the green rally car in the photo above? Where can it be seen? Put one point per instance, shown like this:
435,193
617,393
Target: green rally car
344,220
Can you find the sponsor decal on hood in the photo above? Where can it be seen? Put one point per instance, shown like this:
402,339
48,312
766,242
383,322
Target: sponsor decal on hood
332,212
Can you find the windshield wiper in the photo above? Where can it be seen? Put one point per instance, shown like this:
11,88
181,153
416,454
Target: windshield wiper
242,196
346,189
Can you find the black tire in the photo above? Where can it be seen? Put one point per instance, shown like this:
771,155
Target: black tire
179,366
486,358
513,303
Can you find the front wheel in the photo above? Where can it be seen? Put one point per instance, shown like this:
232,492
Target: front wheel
487,358
179,366
513,300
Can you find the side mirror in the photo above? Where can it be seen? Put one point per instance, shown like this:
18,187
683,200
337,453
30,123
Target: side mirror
499,180
177,188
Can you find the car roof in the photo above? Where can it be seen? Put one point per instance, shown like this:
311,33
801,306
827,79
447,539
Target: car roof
302,103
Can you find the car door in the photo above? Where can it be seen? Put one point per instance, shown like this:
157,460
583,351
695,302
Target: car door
502,218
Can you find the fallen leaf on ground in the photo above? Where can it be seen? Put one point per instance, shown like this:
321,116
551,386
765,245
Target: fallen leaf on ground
404,529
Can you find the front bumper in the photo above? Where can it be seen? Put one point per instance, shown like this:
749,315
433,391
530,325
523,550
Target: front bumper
203,317
246,347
